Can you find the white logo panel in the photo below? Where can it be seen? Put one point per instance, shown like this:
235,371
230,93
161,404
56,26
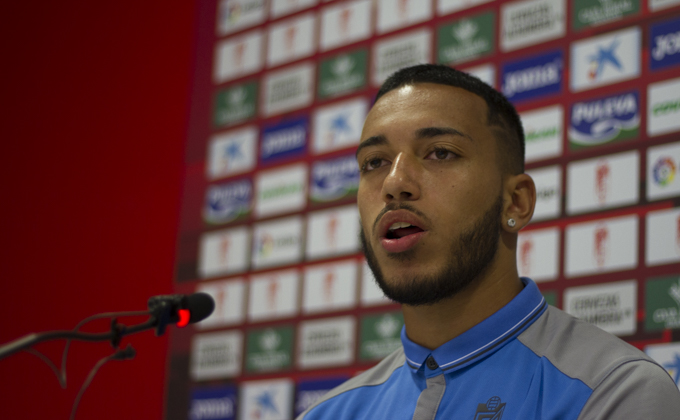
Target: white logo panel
538,254
232,153
224,252
281,190
662,171
291,39
277,242
345,23
330,287
234,15
229,297
663,107
371,294
266,400
216,355
339,125
548,181
288,89
662,237
333,232
389,55
285,7
610,306
655,5
326,342
396,14
531,22
273,295
543,132
485,72
449,6
238,56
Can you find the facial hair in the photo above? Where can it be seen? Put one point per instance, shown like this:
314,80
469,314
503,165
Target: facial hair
471,253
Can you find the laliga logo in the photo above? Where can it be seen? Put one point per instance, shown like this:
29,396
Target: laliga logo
601,236
266,245
602,57
664,171
602,172
525,256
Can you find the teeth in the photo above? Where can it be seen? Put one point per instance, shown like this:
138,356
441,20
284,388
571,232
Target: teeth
399,225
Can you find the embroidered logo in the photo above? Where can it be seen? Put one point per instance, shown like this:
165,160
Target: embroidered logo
492,410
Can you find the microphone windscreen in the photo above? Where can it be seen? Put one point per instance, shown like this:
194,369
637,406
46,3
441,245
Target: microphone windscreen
200,305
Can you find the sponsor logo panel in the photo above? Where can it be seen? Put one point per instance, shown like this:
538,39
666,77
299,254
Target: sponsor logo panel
291,39
538,253
662,303
238,56
662,169
215,403
334,179
235,104
345,23
531,22
467,38
371,294
534,77
224,252
231,153
380,335
229,297
663,107
543,132
664,44
333,232
605,59
662,237
281,190
284,140
266,400
326,342
445,7
308,392
269,349
668,356
342,74
216,355
330,287
595,12
285,7
234,15
611,306
603,182
228,202
288,89
550,297
655,5
605,120
548,181
601,246
485,72
273,295
339,125
391,54
277,242
397,14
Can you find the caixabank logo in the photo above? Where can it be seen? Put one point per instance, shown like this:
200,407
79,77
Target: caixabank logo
534,77
228,202
284,140
334,179
216,403
664,44
604,120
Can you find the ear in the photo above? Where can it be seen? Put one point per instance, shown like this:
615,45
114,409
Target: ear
519,200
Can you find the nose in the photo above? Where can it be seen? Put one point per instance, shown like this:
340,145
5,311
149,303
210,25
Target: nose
401,183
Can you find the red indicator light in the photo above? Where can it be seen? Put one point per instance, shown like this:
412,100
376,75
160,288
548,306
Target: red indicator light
184,316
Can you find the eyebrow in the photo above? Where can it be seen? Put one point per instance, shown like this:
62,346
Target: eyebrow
421,133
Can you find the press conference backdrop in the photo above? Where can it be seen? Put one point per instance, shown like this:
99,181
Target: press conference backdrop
269,225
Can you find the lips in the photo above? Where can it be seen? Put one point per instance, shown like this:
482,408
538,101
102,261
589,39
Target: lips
400,230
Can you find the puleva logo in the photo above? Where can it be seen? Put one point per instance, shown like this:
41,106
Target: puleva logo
604,120
664,44
664,171
492,410
228,202
534,77
284,140
213,404
334,179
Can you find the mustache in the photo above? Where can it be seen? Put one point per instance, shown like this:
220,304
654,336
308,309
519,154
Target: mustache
399,206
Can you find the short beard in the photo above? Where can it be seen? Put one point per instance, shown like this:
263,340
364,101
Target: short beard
470,255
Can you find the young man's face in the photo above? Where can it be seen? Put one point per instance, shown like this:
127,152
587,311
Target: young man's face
430,191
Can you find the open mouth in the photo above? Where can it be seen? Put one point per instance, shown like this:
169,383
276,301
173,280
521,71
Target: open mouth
401,229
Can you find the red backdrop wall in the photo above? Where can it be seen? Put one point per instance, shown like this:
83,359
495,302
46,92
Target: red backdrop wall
94,109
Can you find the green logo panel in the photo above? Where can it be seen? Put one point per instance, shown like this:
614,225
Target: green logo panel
594,12
662,303
380,335
550,297
342,74
235,104
269,349
466,39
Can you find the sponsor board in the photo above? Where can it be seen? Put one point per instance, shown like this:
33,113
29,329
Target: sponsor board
215,403
596,12
266,400
342,74
605,59
610,306
662,169
308,392
281,190
534,77
391,54
600,246
543,132
603,182
273,295
334,179
286,7
530,22
655,5
668,356
538,254
277,242
371,294
238,56
345,23
229,297
664,44
604,120
284,140
288,89
235,104
662,303
332,232
380,335
485,72
548,181
330,287
234,15
269,349
326,342
550,297
663,107
216,355
662,237
291,39
231,153
228,202
445,7
397,14
467,38
223,252
339,125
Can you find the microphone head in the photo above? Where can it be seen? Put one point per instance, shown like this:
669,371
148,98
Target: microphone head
200,305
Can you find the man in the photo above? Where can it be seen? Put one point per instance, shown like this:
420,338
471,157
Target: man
441,198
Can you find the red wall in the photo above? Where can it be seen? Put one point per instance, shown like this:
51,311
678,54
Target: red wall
94,109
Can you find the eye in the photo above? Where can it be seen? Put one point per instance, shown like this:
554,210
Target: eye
372,164
441,154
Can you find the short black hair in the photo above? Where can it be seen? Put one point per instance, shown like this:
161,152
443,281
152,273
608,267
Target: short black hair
501,114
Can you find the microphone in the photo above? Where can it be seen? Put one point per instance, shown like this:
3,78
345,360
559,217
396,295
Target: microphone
182,309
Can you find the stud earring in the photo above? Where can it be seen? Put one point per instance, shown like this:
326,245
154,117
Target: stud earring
511,222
